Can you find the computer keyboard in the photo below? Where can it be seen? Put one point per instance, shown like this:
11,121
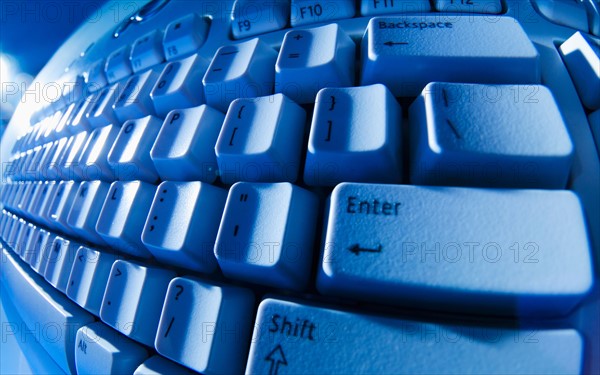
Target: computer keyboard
309,187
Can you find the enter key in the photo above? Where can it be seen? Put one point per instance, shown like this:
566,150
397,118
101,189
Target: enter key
481,251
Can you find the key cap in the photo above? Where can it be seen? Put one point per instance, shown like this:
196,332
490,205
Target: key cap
43,239
134,101
50,168
311,59
266,234
130,154
123,215
147,51
250,18
95,78
406,53
184,35
85,210
28,242
80,122
484,251
43,306
134,298
157,365
88,278
289,336
244,70
56,215
378,7
44,199
184,148
488,135
59,262
178,85
211,337
468,6
101,350
69,164
313,11
95,156
355,136
564,12
101,112
594,120
182,224
582,59
260,140
118,65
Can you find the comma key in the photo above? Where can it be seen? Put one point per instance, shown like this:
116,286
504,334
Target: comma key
350,343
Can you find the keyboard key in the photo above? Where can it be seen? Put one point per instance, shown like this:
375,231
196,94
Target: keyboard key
266,234
134,298
102,350
43,306
118,65
484,135
484,251
261,140
406,53
313,11
130,154
468,6
80,122
123,215
59,262
42,240
157,365
95,156
70,167
58,211
101,112
244,70
185,35
564,12
182,224
355,136
147,51
184,148
179,85
94,77
378,7
251,18
86,207
89,276
289,337
210,337
582,59
134,101
311,59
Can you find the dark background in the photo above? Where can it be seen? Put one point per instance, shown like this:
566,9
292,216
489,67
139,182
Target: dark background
30,32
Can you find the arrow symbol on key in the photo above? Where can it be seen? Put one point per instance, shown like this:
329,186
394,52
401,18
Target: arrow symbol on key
80,258
277,358
356,249
391,44
118,273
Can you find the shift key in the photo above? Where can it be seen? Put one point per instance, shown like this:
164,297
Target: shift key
298,338
406,53
480,251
